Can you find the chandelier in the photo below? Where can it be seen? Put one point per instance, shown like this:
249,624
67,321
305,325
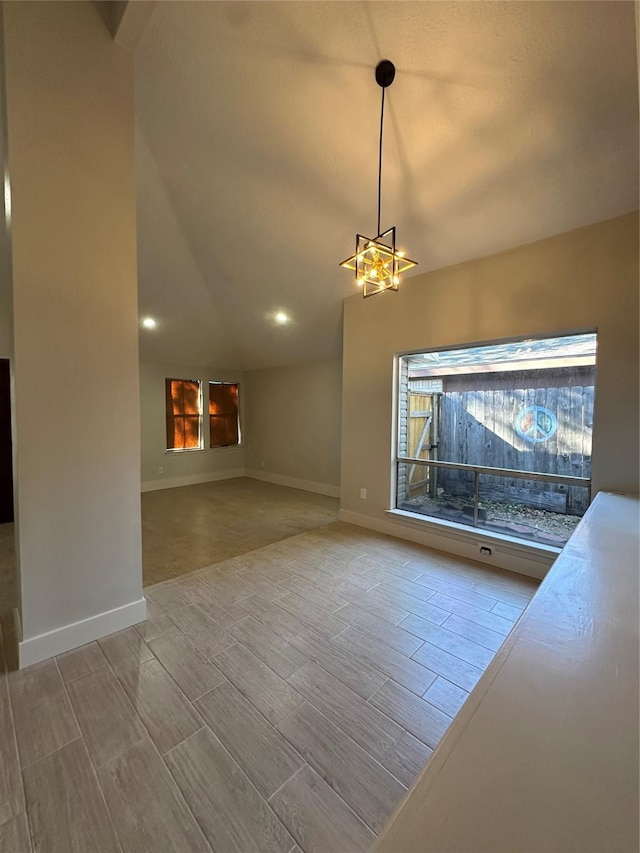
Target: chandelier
377,263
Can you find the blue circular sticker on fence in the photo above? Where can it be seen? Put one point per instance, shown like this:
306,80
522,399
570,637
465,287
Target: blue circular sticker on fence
535,423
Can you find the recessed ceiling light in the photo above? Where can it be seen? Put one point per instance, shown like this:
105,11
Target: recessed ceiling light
281,318
149,323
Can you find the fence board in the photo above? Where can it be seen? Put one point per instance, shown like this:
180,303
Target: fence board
540,499
587,433
552,443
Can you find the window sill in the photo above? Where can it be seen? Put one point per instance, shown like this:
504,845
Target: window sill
472,534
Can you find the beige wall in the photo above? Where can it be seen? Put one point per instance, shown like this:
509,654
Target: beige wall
71,134
6,293
189,466
293,422
585,279
290,423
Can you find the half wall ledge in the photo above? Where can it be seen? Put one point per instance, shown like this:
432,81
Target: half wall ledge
544,754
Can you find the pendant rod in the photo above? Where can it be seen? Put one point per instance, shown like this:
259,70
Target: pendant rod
380,160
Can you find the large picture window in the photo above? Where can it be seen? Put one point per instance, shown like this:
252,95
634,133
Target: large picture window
224,424
498,436
183,413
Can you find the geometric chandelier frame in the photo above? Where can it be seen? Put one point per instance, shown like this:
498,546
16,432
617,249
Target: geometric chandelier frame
377,263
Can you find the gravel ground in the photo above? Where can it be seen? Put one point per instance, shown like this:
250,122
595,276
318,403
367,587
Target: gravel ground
539,525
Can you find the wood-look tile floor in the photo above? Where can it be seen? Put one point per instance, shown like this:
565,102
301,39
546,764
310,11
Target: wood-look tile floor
194,526
281,700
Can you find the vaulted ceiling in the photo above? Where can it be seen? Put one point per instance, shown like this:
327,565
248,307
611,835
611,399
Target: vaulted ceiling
257,135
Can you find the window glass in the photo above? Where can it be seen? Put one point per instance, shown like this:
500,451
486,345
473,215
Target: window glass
224,426
519,407
183,413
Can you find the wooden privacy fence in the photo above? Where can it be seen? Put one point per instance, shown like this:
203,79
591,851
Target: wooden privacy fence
544,430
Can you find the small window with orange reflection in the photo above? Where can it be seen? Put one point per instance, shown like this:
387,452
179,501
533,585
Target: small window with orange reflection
184,414
224,422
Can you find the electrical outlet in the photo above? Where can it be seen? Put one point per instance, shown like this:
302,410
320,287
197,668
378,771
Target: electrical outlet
485,550
363,494
160,469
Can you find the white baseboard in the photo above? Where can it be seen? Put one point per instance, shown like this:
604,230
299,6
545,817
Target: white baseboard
295,483
191,480
68,637
522,559
211,477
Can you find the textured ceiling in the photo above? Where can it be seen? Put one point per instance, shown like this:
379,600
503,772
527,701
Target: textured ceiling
257,129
